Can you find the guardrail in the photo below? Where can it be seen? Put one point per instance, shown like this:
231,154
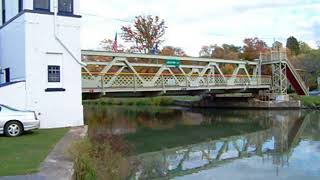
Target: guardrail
145,81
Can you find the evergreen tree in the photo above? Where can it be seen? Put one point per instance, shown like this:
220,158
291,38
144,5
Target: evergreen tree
293,45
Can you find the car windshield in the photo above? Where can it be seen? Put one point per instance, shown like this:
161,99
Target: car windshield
10,108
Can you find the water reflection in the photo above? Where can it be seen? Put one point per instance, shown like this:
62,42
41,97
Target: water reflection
124,120
286,145
275,145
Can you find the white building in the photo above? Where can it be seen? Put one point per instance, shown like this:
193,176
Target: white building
40,59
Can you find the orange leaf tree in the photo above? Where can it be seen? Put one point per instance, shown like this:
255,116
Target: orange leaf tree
145,33
253,47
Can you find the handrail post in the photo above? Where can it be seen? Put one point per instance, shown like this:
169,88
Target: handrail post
102,85
163,83
185,76
135,83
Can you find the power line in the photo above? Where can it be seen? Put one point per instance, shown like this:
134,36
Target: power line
106,18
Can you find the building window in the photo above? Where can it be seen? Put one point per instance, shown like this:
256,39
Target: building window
3,12
43,5
20,5
7,73
53,73
65,6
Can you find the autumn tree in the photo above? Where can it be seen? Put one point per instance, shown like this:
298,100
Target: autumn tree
253,47
206,51
227,51
304,47
172,51
293,45
310,62
231,48
231,51
218,52
146,33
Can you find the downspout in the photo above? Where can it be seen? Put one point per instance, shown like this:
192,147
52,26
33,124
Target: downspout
83,65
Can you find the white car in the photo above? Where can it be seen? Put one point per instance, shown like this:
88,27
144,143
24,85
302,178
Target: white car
14,122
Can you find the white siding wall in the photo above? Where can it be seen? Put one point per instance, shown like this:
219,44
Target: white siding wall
76,7
27,47
12,8
0,13
17,98
58,109
12,48
28,4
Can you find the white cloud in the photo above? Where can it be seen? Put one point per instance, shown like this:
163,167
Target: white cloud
192,24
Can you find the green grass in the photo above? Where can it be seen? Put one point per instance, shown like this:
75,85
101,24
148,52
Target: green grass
150,140
23,155
186,98
310,101
141,101
153,101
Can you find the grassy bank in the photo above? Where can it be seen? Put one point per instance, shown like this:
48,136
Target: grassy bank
150,140
310,101
23,155
99,160
143,101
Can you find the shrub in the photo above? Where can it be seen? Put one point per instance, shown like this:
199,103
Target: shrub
147,101
93,160
310,101
165,101
83,163
116,142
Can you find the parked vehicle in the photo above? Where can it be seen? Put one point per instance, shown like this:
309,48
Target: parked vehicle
14,122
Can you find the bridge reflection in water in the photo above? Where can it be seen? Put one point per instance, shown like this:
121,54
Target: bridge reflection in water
275,143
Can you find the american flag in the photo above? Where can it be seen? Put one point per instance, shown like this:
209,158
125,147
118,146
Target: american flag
115,44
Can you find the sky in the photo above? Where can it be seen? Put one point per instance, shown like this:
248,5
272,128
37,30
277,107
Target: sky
194,23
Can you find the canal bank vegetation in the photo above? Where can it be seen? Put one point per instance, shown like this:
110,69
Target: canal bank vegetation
24,154
308,102
101,157
141,101
312,102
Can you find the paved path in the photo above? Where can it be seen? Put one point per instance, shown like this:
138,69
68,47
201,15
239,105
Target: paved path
57,165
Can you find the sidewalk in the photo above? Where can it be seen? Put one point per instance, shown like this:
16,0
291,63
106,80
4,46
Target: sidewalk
57,165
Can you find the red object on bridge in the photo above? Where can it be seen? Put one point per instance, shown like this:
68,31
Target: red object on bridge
294,82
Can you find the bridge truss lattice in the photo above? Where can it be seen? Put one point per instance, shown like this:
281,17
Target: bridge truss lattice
123,72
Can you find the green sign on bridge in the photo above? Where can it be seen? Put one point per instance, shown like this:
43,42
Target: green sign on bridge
173,62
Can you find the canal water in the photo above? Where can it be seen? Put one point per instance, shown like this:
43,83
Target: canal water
177,143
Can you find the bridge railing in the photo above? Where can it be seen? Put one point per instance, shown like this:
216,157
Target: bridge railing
109,82
273,56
